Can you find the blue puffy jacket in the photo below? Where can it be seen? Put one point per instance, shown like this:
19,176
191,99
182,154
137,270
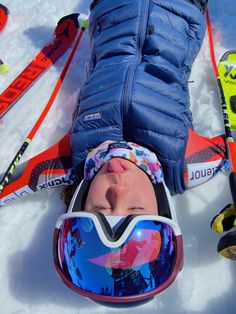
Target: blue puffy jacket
137,87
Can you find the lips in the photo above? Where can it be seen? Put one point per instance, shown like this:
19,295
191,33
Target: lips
117,165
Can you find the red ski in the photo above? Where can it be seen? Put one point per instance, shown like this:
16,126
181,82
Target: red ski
65,34
3,16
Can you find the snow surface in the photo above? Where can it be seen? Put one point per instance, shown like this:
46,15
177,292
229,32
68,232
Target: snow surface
28,281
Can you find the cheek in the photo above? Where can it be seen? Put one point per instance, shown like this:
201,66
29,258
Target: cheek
143,185
152,209
98,184
146,191
96,191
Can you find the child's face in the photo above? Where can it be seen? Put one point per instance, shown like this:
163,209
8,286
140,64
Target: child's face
120,188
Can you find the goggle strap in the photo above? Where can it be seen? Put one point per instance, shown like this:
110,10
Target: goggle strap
79,198
162,200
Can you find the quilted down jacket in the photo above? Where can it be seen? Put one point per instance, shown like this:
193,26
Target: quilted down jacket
137,87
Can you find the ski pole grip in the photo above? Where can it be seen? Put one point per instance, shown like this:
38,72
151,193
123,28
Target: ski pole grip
232,182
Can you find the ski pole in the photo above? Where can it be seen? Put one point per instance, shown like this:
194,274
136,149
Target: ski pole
3,67
44,113
230,144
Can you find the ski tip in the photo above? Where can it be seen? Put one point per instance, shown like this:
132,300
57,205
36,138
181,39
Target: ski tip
227,54
73,17
5,9
3,16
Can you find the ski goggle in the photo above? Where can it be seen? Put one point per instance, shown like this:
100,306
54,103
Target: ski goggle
137,261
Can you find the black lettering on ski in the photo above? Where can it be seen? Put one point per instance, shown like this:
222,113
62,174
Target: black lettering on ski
228,70
233,77
203,173
43,186
192,176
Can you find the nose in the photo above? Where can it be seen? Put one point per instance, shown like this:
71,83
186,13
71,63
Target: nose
117,196
118,190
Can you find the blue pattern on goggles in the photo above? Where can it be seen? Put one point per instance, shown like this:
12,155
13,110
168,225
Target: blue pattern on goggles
138,265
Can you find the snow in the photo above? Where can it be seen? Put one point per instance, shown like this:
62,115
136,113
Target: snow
28,281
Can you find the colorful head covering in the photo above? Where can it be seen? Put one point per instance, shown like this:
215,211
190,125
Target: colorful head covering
140,156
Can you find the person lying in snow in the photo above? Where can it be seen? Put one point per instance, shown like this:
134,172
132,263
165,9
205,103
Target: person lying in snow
131,145
136,91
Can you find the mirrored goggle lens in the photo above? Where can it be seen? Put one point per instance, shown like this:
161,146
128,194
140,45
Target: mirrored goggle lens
142,263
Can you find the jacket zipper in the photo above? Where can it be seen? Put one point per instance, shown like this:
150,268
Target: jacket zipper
129,78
